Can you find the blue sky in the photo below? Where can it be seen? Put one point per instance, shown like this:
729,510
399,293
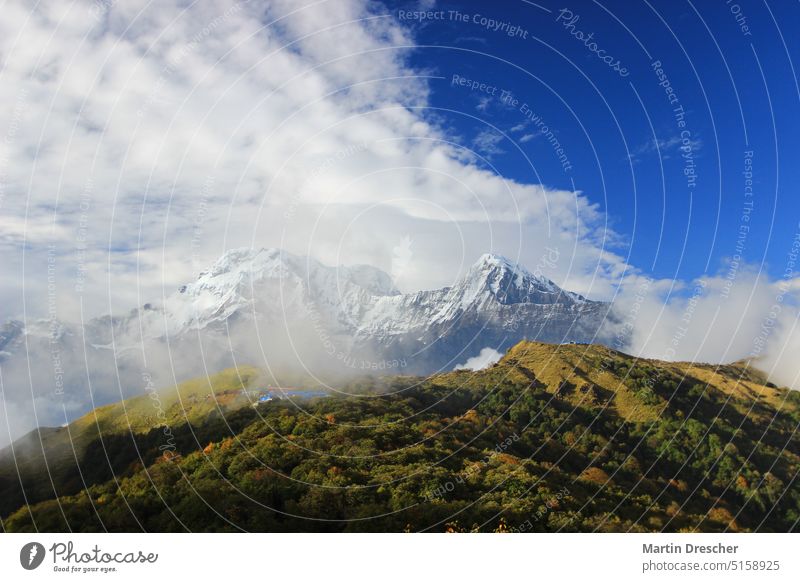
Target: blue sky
736,87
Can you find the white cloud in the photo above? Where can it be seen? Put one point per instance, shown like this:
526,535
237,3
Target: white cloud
666,148
714,320
144,140
486,358
487,142
483,103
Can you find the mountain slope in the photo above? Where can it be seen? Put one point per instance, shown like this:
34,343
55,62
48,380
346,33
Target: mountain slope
551,438
49,458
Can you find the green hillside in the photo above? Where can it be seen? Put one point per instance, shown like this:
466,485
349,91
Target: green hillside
49,459
551,438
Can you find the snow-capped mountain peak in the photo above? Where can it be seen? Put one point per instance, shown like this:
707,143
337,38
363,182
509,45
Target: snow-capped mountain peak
237,268
510,283
241,268
357,299
264,282
300,303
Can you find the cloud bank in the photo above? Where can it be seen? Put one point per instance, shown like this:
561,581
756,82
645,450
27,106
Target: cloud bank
147,139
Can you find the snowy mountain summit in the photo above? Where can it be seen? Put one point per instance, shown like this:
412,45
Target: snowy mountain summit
357,315
274,309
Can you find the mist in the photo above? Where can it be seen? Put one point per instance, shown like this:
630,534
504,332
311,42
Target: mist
484,359
58,374
713,320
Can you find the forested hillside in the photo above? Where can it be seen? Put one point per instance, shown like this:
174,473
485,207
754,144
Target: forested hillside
552,438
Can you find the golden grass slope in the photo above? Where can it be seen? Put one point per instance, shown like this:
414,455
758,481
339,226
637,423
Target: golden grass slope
596,377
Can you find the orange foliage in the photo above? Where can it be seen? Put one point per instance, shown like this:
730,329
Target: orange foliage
506,458
680,485
471,415
595,475
168,456
722,515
